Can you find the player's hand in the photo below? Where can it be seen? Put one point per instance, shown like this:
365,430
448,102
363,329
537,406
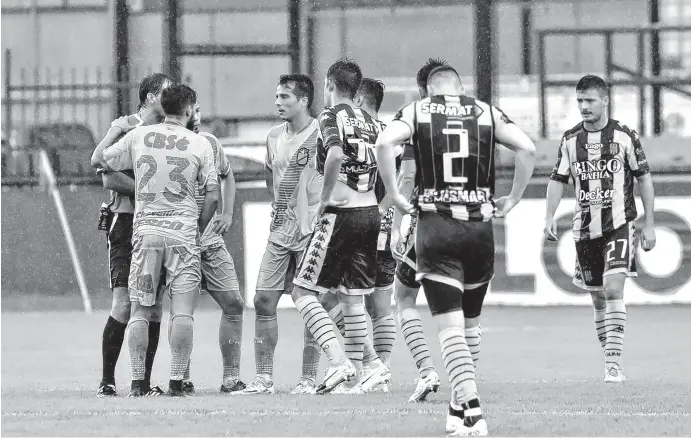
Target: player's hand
551,229
648,238
402,204
222,223
122,124
330,203
396,245
504,205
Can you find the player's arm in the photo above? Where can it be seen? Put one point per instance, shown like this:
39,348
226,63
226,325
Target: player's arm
511,136
268,170
119,127
333,143
406,185
119,182
119,156
397,132
638,163
208,178
555,189
225,219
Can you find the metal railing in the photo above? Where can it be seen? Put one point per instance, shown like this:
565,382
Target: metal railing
639,77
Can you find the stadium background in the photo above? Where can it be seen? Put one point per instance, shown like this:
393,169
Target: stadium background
71,66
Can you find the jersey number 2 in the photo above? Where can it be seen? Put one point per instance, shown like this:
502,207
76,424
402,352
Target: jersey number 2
175,175
449,157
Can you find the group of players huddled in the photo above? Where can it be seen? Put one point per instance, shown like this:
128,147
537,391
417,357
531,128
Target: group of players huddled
342,186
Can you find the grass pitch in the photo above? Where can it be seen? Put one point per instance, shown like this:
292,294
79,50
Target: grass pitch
540,374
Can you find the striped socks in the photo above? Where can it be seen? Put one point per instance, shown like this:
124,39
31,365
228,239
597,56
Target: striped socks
414,337
600,315
473,336
458,363
355,332
384,337
615,325
319,324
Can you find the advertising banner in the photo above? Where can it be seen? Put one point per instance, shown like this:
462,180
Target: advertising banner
530,271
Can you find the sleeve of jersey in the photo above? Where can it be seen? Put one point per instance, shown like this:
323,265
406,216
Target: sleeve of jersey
636,157
119,156
208,178
562,169
330,130
407,116
269,155
500,117
222,164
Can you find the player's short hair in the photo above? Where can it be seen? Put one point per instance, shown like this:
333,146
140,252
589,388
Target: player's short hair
592,82
372,90
302,86
153,84
346,76
424,71
442,69
176,98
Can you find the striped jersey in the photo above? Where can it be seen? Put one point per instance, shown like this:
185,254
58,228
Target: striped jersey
356,132
296,184
602,165
384,240
453,143
222,167
120,203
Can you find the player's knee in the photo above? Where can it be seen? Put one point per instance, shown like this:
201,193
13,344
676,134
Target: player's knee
182,319
599,299
471,323
329,301
138,322
614,289
378,304
442,298
265,303
405,296
235,305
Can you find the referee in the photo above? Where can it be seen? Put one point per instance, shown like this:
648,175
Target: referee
116,219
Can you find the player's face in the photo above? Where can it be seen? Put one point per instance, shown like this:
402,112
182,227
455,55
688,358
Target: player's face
195,122
287,103
592,105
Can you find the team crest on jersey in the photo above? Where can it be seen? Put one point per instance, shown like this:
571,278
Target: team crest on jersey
611,148
302,156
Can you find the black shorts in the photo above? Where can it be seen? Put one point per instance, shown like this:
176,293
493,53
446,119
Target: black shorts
386,269
460,251
613,253
342,252
407,269
120,249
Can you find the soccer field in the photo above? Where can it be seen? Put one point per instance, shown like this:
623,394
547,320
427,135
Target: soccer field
540,374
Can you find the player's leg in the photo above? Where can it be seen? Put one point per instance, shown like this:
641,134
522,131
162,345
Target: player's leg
378,305
145,274
220,278
620,263
152,347
358,280
588,275
406,289
119,255
310,350
441,244
183,275
270,287
320,270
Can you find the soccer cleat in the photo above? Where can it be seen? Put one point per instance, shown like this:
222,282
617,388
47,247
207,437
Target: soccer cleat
234,386
382,387
454,420
257,386
155,391
424,387
614,375
468,422
345,389
304,386
335,376
106,390
137,389
188,387
175,389
374,374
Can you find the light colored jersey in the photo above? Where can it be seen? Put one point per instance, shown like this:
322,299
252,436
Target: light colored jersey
120,203
168,161
296,182
222,167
